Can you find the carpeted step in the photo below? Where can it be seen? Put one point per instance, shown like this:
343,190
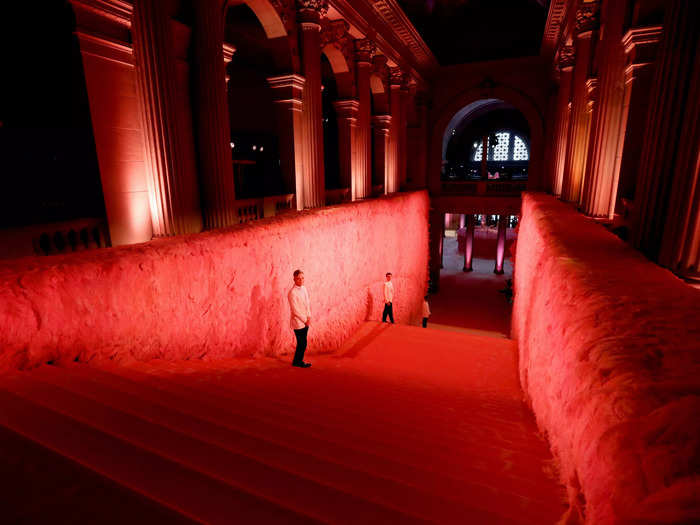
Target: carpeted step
282,488
471,488
398,496
40,486
172,485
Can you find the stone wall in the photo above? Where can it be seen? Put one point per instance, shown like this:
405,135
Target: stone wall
609,346
217,294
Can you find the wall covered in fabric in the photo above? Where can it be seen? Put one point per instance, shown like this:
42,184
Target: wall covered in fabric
221,293
608,345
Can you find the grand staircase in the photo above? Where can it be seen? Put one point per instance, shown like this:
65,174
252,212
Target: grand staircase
404,425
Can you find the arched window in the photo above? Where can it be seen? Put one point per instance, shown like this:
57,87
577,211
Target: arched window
504,148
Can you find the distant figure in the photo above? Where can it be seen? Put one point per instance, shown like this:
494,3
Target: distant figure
426,311
300,307
388,299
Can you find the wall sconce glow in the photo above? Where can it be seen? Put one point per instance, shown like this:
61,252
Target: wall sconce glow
254,147
261,148
232,144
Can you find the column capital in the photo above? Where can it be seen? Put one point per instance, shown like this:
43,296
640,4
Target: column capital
333,31
381,122
364,50
347,108
310,12
587,18
567,58
396,77
641,45
287,89
228,50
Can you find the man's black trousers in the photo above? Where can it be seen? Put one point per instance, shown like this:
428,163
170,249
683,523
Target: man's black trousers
388,310
301,344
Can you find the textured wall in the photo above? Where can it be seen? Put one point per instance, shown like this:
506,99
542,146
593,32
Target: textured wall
217,294
609,347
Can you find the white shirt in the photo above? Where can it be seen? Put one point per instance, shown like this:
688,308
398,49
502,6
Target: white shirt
426,309
300,306
388,292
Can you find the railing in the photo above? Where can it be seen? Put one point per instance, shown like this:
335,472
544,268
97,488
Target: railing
337,196
54,238
484,188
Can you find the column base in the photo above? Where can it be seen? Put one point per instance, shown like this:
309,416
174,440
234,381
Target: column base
465,269
498,272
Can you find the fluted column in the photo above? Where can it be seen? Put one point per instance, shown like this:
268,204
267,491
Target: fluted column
346,112
213,125
469,244
287,92
362,178
566,66
309,17
641,46
171,176
381,126
462,221
395,81
607,132
501,243
577,142
666,215
403,131
591,111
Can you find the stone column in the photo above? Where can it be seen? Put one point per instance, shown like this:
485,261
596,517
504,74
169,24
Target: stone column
381,125
436,223
110,79
403,131
309,13
346,112
577,141
213,125
395,81
469,244
566,66
462,221
172,182
501,243
666,202
442,242
362,178
641,45
287,92
591,111
607,132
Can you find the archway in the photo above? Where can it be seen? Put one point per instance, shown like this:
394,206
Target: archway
480,99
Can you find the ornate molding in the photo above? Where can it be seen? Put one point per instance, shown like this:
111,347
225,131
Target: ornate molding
641,45
566,58
347,108
115,10
311,11
381,123
381,69
553,27
335,33
396,76
587,17
364,50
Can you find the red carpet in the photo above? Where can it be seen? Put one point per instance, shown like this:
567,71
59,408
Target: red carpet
406,425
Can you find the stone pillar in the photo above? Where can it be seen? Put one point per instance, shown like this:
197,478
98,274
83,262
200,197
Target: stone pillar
608,130
435,252
346,112
165,111
501,243
213,125
417,143
403,130
469,244
362,177
591,111
442,242
381,125
462,221
641,45
111,82
309,13
666,201
395,81
577,141
228,51
287,91
448,220
563,112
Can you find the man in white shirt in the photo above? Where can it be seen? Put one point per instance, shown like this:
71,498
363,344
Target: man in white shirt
388,299
300,307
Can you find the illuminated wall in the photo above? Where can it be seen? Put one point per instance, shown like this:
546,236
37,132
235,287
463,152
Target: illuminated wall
218,294
608,347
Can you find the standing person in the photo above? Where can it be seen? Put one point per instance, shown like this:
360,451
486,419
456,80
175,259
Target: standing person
426,311
388,299
300,307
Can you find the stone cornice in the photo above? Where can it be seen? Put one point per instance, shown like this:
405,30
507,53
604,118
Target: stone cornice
553,27
115,10
641,36
386,32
